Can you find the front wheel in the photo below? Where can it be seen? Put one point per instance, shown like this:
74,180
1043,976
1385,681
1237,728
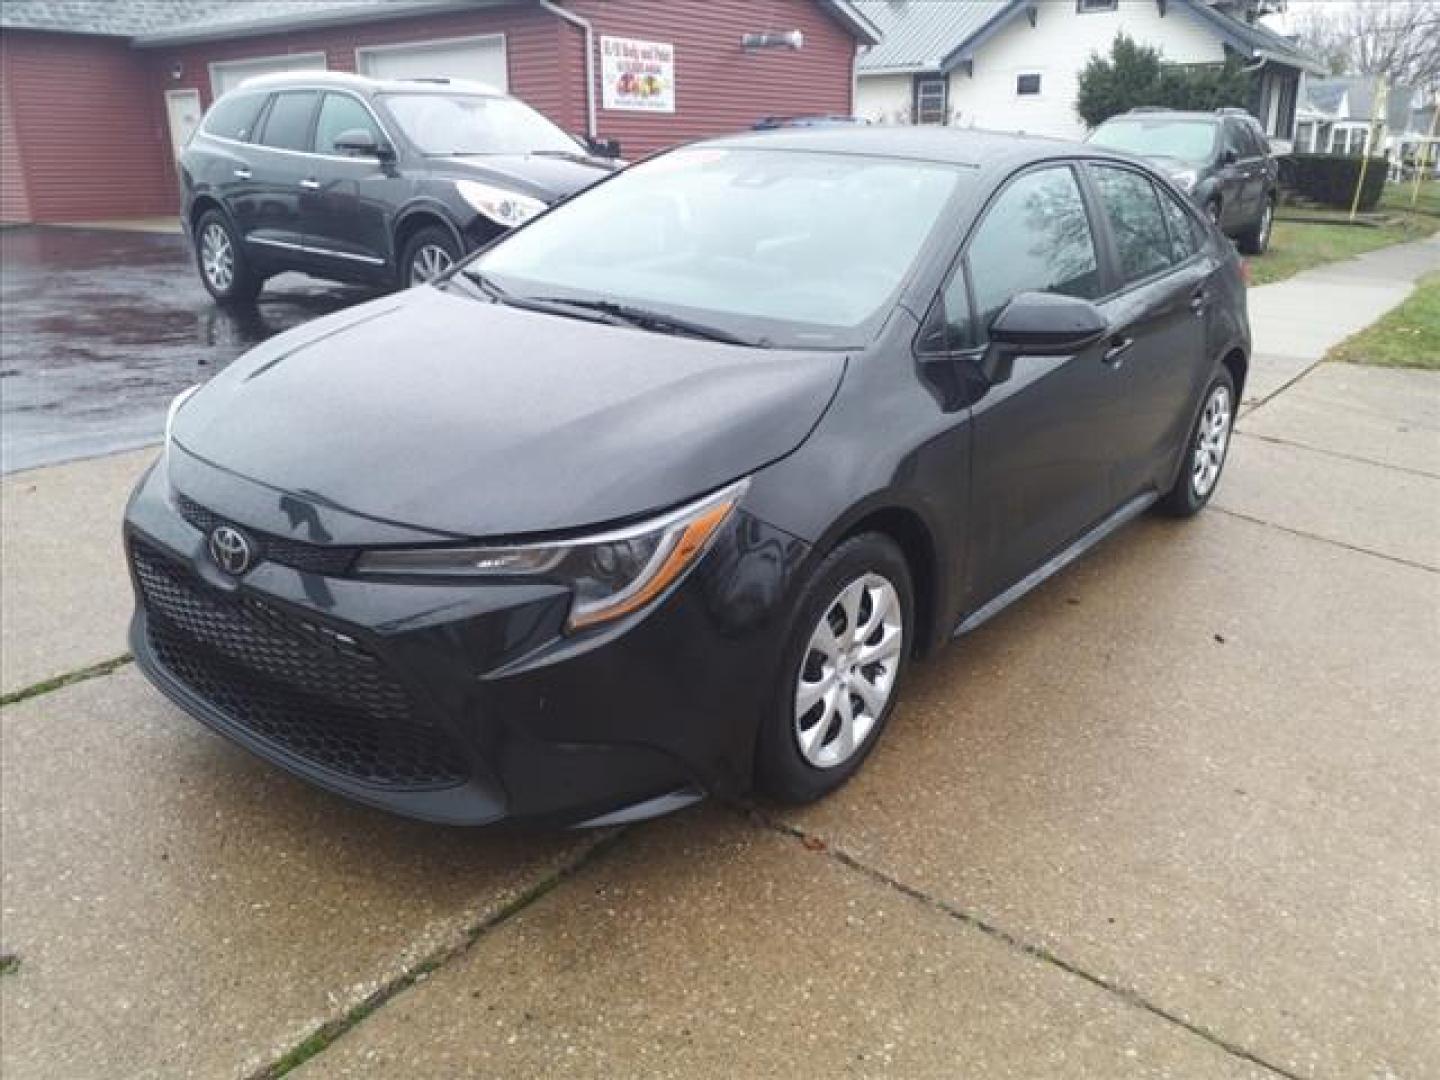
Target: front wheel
1205,451
840,671
1256,239
427,255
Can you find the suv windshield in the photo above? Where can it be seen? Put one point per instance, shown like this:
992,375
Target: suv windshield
751,241
1187,140
446,124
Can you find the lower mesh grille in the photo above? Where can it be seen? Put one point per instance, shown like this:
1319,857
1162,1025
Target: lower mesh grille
296,684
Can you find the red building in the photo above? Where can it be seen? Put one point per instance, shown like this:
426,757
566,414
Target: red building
96,96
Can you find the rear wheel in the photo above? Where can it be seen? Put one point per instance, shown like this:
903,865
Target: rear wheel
1256,239
427,255
1205,451
841,670
224,270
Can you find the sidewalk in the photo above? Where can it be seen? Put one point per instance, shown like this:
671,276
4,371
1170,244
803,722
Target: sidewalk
1175,814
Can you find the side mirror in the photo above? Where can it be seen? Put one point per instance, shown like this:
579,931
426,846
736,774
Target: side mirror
1228,157
361,142
604,148
1047,324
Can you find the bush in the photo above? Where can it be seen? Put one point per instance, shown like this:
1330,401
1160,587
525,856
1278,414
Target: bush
1133,75
1330,179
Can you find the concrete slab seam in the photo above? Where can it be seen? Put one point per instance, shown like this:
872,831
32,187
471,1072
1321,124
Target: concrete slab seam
70,678
1277,441
1037,952
1325,540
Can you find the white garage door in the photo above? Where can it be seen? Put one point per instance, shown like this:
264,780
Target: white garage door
228,74
481,59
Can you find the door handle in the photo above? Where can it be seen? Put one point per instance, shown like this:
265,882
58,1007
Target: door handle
1119,346
243,173
310,184
1199,301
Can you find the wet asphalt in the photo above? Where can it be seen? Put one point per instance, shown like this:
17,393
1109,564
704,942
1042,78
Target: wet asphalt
99,330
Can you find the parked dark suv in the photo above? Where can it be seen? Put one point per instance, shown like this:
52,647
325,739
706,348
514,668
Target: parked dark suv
356,179
1222,159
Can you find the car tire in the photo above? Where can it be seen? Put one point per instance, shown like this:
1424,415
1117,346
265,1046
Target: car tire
427,254
1256,239
224,270
805,752
1205,450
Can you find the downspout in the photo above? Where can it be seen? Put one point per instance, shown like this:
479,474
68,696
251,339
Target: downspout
584,24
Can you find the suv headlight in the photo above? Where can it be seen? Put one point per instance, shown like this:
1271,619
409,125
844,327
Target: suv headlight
508,208
611,574
1185,179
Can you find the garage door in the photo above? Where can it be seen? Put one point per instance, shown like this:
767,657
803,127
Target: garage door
479,58
226,75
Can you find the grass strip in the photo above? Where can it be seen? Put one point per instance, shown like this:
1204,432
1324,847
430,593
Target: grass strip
94,671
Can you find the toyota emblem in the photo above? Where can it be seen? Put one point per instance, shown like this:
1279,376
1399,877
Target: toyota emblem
230,550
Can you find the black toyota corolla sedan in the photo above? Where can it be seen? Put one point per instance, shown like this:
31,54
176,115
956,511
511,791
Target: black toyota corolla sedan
661,494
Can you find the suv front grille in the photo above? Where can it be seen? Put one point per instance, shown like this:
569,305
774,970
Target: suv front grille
298,685
311,558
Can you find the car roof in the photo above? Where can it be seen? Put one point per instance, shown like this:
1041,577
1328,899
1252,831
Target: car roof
364,84
958,146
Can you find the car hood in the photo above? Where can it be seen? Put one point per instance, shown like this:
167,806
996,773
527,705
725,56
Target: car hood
541,175
440,412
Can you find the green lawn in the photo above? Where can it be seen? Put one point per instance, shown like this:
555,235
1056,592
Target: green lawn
1296,245
1397,197
1407,337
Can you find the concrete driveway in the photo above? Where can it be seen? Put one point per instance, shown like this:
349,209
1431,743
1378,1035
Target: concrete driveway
103,328
1176,814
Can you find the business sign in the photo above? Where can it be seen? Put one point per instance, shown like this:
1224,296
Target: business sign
637,75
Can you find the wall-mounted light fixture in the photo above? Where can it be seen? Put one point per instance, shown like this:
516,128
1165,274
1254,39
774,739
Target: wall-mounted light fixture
177,71
790,39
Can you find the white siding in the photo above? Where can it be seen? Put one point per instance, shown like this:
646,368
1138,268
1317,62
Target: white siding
1056,48
884,99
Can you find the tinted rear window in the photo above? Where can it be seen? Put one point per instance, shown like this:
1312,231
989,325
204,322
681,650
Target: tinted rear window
288,125
234,117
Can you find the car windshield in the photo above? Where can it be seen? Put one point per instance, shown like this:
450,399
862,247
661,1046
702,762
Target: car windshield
445,124
795,248
1187,140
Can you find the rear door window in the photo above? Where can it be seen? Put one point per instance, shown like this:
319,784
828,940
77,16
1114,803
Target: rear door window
234,117
1184,231
1137,223
288,125
1035,237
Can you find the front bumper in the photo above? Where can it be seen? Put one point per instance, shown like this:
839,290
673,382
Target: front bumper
459,703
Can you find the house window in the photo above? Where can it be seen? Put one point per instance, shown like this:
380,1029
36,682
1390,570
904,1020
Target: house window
1027,84
1087,7
931,99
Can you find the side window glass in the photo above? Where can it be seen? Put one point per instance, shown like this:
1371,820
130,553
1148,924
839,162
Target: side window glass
1184,241
234,117
1233,139
340,113
1035,237
288,125
1133,210
948,326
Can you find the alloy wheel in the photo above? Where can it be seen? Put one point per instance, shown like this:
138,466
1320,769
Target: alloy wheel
1267,221
1211,441
848,672
429,262
217,257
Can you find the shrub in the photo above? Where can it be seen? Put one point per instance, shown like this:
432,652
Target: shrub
1330,179
1133,75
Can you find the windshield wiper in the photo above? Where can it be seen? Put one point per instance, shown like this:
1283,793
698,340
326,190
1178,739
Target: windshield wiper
539,303
657,321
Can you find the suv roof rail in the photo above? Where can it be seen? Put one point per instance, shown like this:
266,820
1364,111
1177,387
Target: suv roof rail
1152,108
443,80
1231,110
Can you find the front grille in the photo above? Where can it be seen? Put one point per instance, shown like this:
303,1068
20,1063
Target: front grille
311,558
298,685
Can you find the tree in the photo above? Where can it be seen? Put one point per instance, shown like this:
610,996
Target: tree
1399,39
1134,75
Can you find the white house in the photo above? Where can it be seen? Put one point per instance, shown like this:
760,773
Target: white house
1336,115
1014,65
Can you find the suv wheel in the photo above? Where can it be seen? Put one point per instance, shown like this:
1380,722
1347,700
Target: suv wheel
427,255
1256,239
840,672
224,271
1205,451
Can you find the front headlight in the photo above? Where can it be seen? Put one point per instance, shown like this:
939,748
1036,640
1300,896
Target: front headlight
1185,179
611,574
508,208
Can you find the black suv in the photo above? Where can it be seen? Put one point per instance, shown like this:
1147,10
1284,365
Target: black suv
1222,159
357,179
